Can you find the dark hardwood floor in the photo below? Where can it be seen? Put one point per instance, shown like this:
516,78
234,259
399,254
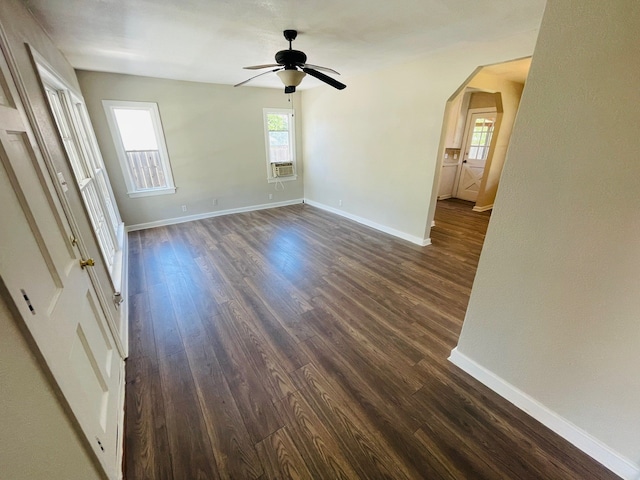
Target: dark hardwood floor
292,343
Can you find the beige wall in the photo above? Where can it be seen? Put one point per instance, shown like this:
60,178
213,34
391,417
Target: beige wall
215,138
37,441
482,99
374,145
554,309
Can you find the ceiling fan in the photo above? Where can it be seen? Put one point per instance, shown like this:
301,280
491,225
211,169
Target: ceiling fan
291,66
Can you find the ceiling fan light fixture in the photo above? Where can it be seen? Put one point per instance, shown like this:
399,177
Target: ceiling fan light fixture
291,78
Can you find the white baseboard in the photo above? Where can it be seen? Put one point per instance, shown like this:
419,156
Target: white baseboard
593,447
444,197
423,242
482,209
200,216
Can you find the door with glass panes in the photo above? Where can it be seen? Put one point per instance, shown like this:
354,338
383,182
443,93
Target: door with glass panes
475,150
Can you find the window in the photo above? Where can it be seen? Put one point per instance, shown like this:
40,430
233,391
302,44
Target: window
280,144
139,140
481,138
76,133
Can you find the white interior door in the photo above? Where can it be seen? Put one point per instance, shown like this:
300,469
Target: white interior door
475,149
40,267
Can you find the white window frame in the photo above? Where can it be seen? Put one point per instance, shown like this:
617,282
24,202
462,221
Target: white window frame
292,143
151,107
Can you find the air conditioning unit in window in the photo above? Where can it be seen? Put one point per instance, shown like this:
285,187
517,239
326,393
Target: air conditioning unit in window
282,169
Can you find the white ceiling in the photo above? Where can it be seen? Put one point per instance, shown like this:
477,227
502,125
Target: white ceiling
211,40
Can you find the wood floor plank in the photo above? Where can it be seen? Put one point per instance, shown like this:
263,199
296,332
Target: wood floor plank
293,343
321,452
453,460
145,427
374,456
358,349
281,458
141,336
165,328
389,413
283,306
233,449
290,356
191,452
385,335
135,262
252,398
258,354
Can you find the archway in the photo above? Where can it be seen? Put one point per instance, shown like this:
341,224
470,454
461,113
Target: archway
500,85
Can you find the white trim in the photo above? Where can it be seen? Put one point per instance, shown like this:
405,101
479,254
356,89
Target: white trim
482,209
200,216
584,441
423,242
124,292
152,193
433,223
446,196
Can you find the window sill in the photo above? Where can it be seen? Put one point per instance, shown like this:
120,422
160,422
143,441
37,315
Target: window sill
151,193
282,179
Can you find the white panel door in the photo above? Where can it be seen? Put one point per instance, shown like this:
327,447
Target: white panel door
475,148
40,268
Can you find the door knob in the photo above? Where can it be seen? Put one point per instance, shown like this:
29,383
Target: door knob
464,161
87,263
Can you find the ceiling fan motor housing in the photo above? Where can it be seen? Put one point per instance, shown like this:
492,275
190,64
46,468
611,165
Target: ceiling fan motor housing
290,58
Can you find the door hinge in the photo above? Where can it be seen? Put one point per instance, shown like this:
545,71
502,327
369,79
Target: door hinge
117,299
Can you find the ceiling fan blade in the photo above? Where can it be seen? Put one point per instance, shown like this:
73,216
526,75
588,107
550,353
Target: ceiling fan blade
258,67
256,76
325,78
322,69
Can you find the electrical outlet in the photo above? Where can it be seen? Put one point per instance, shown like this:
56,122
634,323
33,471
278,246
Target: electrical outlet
184,208
271,196
339,203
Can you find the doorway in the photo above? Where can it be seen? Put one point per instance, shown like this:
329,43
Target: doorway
497,88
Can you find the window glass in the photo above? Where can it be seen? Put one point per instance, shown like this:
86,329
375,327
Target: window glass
136,129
